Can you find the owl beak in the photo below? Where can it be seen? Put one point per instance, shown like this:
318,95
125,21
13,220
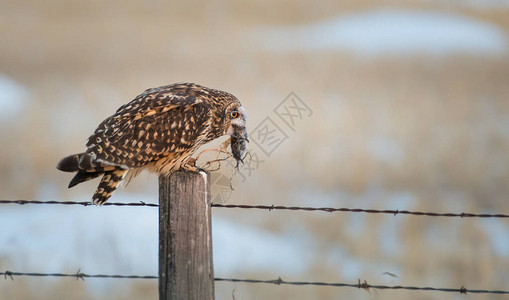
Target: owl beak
238,132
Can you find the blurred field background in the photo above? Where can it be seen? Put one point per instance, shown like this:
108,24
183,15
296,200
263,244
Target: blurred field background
410,105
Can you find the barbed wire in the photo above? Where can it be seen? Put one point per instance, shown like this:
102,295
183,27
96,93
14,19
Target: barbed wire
77,275
366,286
393,212
360,284
82,203
361,210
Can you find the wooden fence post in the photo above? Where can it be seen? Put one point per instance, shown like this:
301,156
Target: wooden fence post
185,237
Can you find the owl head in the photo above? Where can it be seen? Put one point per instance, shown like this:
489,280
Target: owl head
235,121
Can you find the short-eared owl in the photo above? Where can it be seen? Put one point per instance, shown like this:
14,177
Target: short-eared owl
159,130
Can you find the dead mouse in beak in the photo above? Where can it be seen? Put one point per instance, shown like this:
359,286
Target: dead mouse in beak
239,147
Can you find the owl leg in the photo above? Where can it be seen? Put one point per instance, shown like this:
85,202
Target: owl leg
190,166
192,161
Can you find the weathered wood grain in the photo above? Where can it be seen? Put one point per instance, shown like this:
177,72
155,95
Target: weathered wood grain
185,237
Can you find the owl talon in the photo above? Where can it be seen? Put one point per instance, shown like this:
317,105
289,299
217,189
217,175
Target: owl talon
190,168
191,161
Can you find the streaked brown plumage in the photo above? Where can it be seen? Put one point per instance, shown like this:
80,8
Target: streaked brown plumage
159,130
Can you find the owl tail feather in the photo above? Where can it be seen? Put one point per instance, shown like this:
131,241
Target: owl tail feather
83,176
70,163
83,162
108,185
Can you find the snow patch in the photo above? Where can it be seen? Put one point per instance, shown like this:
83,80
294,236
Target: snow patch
13,98
241,248
393,32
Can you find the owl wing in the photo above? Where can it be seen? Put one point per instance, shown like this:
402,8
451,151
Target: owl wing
148,128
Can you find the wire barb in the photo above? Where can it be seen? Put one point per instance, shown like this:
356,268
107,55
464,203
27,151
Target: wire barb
463,290
8,273
80,275
364,285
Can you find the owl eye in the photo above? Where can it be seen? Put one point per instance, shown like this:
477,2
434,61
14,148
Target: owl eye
234,114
